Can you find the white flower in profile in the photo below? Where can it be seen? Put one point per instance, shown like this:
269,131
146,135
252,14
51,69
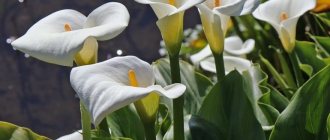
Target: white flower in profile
215,15
283,16
231,63
68,35
234,46
170,19
110,85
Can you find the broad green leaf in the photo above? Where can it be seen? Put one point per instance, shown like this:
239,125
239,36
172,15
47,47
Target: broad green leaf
307,55
125,122
305,117
202,129
10,131
274,98
197,84
229,109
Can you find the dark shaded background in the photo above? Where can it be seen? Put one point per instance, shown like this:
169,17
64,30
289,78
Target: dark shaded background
38,95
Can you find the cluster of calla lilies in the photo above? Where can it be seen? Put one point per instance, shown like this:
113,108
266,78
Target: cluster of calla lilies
67,37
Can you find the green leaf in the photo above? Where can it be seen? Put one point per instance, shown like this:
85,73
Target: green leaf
324,17
322,42
307,69
197,84
305,117
125,122
202,129
10,131
328,126
229,109
307,55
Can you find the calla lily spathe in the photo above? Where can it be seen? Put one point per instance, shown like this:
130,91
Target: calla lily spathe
107,86
67,34
283,16
170,20
234,46
215,15
230,62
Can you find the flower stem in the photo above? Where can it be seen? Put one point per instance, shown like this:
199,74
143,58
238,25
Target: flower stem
219,65
179,102
85,122
286,70
149,131
295,66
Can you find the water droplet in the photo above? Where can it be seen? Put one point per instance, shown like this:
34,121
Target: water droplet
10,39
26,55
119,52
21,1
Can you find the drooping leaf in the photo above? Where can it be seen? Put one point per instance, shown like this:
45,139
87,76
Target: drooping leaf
125,122
306,115
197,84
307,55
10,131
229,109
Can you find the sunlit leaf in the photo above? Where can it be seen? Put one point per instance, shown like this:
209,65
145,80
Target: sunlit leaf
125,122
306,115
10,131
228,108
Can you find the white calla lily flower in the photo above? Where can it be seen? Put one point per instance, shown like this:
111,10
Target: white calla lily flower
230,62
73,136
170,20
215,15
66,34
110,85
234,46
283,16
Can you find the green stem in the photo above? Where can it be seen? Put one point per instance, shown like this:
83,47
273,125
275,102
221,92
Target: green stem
149,131
104,127
179,102
295,66
85,122
286,70
219,65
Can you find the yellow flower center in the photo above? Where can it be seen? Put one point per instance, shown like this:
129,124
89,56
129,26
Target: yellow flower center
283,16
67,27
217,3
132,78
172,2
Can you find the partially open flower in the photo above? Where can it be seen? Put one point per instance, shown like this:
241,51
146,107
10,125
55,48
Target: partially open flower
283,16
170,20
215,15
110,85
68,35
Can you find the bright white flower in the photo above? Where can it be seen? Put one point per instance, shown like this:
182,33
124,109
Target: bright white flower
74,136
215,15
170,19
234,46
230,62
110,85
67,34
283,16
